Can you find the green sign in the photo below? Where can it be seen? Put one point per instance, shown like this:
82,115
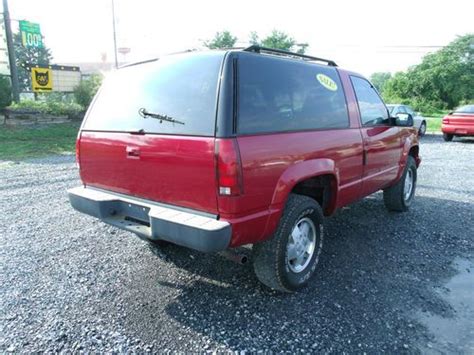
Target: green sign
31,34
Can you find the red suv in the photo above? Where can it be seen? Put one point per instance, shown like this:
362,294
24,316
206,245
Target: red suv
213,150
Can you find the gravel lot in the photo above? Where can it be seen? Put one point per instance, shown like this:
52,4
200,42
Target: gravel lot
69,282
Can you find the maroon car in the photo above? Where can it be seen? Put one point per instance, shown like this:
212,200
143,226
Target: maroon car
218,149
458,123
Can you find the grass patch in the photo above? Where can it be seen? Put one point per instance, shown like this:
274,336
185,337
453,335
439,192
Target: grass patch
433,124
20,142
435,114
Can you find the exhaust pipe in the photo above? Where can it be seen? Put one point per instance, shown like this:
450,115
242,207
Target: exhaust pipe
231,255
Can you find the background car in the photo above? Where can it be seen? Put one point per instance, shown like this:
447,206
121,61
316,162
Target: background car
460,122
418,121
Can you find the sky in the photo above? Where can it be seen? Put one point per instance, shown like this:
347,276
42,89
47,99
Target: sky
361,35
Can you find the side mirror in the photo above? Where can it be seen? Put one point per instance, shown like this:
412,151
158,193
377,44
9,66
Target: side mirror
403,120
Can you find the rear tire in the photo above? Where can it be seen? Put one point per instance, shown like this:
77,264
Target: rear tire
400,196
448,137
288,260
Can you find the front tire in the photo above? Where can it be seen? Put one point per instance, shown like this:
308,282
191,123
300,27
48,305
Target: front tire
448,137
288,260
422,130
400,196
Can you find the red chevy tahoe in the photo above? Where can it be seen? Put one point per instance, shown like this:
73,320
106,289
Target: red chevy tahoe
213,150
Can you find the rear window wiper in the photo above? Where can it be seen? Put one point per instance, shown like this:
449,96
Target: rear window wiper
144,113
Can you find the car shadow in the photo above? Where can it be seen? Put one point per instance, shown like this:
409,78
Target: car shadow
464,140
430,138
378,270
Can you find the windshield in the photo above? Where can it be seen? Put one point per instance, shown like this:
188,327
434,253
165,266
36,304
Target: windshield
182,87
390,108
465,109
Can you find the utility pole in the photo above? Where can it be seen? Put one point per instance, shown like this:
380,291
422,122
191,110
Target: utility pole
115,36
11,52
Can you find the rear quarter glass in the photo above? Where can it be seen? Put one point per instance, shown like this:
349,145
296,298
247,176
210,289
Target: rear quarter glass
181,86
279,95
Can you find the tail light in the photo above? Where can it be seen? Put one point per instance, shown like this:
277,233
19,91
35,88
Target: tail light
78,143
229,168
446,120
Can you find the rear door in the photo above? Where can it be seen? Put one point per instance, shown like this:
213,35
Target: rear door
381,140
153,158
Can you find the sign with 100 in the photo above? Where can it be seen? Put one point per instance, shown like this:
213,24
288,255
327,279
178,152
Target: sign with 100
31,34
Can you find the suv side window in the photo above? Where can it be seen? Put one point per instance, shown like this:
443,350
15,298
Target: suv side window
372,110
401,109
278,95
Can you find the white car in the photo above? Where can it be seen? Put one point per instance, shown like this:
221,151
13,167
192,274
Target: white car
418,121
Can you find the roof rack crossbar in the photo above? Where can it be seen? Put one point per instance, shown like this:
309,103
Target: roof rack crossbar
258,49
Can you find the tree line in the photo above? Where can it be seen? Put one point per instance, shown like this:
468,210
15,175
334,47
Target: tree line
276,39
443,80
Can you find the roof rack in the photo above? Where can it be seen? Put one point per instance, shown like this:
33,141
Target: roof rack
259,49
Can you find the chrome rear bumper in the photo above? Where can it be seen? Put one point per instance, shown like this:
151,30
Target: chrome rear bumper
152,220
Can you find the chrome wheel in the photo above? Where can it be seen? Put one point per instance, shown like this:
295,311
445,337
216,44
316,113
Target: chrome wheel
301,245
408,187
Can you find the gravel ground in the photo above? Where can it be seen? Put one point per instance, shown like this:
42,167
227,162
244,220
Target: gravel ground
69,282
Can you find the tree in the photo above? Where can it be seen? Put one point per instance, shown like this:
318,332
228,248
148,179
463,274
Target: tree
86,90
253,38
5,92
443,79
222,39
278,40
379,80
40,56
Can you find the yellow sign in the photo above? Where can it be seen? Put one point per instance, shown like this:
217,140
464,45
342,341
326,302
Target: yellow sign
327,82
41,79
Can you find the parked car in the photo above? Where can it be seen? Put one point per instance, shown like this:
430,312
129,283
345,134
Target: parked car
458,123
418,120
218,149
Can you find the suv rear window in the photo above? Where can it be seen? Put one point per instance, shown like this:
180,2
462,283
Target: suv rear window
277,95
182,86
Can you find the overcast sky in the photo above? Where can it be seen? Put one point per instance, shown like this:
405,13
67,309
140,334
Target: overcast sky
364,36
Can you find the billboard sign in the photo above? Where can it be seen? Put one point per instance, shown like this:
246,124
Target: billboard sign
59,78
41,79
31,35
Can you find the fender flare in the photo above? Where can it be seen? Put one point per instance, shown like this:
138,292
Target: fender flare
301,171
294,174
409,143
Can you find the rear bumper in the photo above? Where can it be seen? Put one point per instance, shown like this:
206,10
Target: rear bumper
153,221
458,129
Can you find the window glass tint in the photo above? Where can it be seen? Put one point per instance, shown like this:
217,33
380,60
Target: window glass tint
277,94
465,109
371,107
410,111
183,87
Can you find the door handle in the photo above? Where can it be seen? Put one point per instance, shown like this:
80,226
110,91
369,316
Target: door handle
132,151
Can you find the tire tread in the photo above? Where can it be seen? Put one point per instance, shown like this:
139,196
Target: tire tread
393,196
266,255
